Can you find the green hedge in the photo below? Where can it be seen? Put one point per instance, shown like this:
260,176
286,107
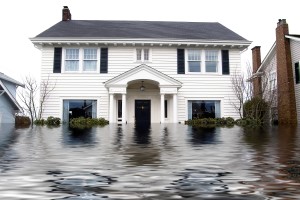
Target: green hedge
50,121
82,122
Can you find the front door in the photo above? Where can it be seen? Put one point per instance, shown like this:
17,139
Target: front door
142,111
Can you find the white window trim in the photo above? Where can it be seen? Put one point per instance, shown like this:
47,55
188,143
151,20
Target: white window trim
142,61
81,55
203,62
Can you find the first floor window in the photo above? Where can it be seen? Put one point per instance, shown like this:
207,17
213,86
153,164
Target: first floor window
203,109
72,60
194,60
79,108
211,60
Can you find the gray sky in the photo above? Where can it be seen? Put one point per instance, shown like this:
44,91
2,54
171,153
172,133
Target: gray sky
254,20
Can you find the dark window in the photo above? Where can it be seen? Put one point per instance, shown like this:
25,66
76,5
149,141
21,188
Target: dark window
57,60
203,109
180,61
225,62
119,108
297,73
166,108
79,108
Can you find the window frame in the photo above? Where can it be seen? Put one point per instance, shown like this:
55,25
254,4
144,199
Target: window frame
142,60
81,60
203,61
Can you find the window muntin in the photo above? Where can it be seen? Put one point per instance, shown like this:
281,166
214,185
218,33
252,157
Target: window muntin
142,55
72,60
211,60
89,59
203,109
194,60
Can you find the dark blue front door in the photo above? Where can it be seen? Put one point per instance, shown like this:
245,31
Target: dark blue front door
142,111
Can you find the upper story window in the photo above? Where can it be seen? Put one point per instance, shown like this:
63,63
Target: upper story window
273,81
142,55
81,59
205,61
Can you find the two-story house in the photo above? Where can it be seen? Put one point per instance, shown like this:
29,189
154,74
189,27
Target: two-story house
8,103
278,75
135,71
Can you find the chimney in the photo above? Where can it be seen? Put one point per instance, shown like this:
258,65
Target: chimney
66,14
286,101
256,62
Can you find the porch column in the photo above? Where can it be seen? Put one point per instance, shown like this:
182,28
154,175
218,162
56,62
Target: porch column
162,108
111,108
175,112
124,108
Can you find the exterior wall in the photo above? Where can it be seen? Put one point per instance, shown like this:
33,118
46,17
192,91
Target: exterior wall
6,110
121,59
295,51
11,87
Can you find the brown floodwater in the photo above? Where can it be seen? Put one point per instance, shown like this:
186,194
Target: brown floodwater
171,161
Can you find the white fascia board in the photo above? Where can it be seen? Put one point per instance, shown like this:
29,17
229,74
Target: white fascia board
62,40
292,38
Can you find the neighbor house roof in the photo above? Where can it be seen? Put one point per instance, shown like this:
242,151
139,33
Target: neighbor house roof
141,29
7,78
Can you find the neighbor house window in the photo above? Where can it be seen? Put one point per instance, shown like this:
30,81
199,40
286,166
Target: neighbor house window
203,109
79,108
297,73
90,60
72,60
194,60
273,81
142,55
211,60
81,59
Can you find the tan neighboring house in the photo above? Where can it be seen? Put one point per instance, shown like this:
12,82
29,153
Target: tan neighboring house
278,75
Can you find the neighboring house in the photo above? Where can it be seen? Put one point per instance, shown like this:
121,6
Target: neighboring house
8,103
278,75
135,71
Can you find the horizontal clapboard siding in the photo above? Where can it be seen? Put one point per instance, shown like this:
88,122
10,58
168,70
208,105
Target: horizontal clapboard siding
122,59
295,49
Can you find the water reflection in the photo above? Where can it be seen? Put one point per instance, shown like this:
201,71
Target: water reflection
202,135
74,136
142,133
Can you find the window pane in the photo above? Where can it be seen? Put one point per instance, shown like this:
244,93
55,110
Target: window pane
203,109
90,54
139,54
72,54
71,65
194,55
211,66
146,54
79,108
89,65
194,66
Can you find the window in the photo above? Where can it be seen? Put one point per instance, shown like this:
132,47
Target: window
119,108
297,73
142,55
90,60
79,108
211,60
166,108
72,60
273,81
203,109
194,60
81,59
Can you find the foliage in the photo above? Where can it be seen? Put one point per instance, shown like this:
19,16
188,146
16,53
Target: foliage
256,108
209,122
22,121
249,122
51,121
82,122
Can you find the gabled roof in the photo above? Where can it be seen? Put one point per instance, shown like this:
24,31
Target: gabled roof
7,78
141,29
10,96
143,72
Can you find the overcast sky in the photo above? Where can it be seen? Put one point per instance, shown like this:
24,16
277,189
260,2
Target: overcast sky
254,20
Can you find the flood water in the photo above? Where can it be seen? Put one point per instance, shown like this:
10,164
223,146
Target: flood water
158,162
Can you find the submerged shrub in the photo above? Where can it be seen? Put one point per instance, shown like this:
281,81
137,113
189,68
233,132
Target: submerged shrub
22,121
82,122
211,122
50,121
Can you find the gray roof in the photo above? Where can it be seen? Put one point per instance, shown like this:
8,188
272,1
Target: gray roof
7,78
141,30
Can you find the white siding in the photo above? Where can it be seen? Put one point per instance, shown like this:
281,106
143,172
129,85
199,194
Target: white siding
121,59
295,50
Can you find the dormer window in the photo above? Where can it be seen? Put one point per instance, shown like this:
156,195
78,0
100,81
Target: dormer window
142,55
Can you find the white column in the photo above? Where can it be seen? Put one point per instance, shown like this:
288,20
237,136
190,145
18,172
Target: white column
162,108
175,108
111,108
124,109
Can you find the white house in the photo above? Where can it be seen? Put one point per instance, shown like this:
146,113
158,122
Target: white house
8,103
133,71
279,74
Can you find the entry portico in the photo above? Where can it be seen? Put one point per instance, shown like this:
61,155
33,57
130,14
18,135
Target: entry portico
142,88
